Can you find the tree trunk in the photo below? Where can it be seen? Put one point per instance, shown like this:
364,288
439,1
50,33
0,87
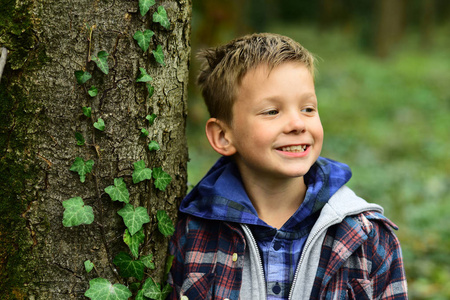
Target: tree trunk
390,25
40,112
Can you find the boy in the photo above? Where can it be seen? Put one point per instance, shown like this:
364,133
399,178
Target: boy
272,219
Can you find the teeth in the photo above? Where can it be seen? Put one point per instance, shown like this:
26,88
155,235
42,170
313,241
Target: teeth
294,148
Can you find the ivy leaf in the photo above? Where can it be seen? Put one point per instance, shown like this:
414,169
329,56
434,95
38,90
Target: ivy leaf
143,77
140,172
148,261
150,89
100,124
159,55
88,266
118,191
151,118
102,289
102,61
76,213
135,286
165,224
152,289
93,91
166,291
82,76
87,111
169,263
140,295
80,139
160,17
134,218
144,132
162,179
134,241
153,146
129,267
143,38
144,6
82,167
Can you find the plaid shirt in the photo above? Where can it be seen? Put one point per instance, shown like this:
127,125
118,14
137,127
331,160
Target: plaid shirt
360,259
280,249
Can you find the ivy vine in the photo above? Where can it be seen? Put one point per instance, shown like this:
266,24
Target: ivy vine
76,212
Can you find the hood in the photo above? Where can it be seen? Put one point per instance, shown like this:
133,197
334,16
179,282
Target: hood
220,195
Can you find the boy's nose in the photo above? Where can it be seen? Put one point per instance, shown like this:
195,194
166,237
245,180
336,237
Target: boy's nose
295,124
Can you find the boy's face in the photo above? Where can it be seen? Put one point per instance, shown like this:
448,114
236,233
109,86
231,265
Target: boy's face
276,129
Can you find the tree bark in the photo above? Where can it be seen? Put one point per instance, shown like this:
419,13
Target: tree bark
40,112
391,17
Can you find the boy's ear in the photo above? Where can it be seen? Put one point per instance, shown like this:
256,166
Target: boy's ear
219,136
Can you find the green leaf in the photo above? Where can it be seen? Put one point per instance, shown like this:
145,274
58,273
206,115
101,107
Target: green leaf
87,111
140,295
76,213
143,77
162,179
134,241
100,124
151,118
165,224
144,132
152,289
151,90
102,289
135,286
93,91
82,76
80,139
140,172
169,263
82,167
144,6
160,17
88,266
118,191
102,61
166,291
153,146
129,267
143,38
134,218
159,55
148,261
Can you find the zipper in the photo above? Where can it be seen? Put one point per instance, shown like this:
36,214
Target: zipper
302,257
260,264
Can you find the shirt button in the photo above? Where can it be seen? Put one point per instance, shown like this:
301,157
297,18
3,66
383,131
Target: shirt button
277,245
235,257
184,298
276,289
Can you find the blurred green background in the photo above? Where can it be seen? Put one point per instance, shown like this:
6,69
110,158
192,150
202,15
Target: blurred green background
383,86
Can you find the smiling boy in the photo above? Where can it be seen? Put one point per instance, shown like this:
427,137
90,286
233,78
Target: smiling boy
272,219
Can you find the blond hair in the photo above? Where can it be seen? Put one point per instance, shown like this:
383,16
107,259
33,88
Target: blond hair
225,66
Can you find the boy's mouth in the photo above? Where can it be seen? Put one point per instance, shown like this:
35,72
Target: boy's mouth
295,149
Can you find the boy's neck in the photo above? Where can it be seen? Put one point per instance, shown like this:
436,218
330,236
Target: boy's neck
275,201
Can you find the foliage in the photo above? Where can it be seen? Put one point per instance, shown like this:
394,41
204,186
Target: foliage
102,289
143,38
77,213
82,167
102,61
160,16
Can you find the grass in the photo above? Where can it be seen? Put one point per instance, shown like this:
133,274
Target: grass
389,121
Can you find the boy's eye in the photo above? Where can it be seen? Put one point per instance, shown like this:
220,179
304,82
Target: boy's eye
309,110
271,112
